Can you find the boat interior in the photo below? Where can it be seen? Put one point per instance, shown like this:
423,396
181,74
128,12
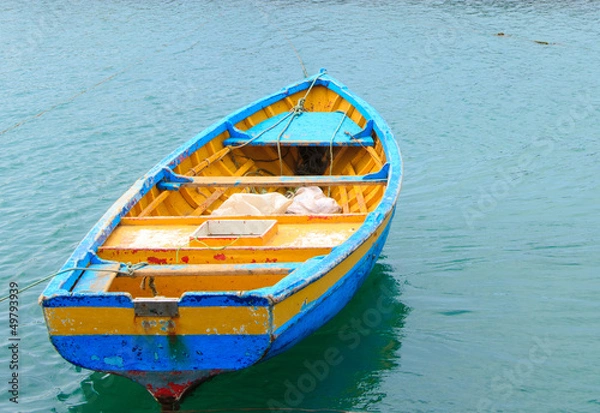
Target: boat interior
340,154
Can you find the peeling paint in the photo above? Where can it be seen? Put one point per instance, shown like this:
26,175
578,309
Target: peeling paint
154,260
116,361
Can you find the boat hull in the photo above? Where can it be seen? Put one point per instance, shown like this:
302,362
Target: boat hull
170,365
190,308
333,292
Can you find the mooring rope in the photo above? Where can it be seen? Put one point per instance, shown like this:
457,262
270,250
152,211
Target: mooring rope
105,80
69,100
129,270
267,16
295,111
331,145
241,145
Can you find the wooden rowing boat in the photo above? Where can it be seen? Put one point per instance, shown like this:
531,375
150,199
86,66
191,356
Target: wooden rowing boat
166,292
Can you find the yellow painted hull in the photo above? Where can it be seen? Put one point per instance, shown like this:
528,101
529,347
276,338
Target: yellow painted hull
145,297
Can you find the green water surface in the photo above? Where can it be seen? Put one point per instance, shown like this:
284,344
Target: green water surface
487,295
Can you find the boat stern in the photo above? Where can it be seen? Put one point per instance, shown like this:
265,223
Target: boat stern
168,346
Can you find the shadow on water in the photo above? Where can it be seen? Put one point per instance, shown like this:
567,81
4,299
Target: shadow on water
337,368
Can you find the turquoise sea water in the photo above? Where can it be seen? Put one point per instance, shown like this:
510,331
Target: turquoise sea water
486,297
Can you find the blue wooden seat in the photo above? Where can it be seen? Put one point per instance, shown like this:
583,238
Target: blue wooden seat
307,129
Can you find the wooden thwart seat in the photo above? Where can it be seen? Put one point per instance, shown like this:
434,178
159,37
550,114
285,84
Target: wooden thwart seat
275,181
195,255
172,280
324,129
281,219
215,269
173,181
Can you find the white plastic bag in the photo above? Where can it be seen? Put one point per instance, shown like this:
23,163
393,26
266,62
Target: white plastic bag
312,200
272,203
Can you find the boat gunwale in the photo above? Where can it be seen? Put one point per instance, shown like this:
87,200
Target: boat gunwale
309,272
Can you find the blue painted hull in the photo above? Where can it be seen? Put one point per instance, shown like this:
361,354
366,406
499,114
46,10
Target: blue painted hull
169,361
324,309
162,353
